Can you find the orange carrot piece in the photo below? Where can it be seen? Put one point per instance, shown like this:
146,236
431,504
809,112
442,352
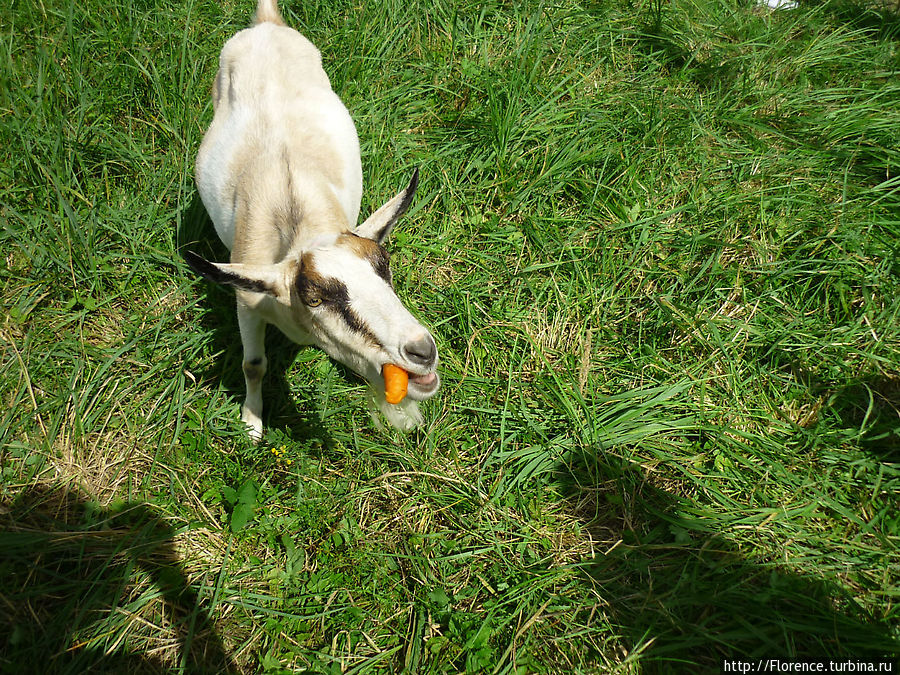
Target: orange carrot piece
396,381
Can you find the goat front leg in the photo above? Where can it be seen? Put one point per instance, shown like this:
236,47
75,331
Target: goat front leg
253,336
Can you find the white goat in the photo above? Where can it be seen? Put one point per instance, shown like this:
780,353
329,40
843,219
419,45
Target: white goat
279,172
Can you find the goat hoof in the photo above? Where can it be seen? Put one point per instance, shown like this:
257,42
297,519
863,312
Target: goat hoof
254,425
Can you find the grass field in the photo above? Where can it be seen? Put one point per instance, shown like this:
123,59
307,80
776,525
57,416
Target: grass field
659,246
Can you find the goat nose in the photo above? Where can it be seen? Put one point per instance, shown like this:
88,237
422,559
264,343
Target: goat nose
422,352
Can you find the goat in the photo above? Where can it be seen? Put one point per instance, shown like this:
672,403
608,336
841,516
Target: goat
280,174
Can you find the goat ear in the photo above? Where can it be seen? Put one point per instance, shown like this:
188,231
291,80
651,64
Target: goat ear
256,278
379,225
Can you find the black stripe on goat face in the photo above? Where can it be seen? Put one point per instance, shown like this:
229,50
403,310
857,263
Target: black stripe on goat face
311,287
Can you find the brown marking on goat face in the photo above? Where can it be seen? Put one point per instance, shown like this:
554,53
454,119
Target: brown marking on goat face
314,288
373,253
308,279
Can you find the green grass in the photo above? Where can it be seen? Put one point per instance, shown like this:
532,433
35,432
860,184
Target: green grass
659,246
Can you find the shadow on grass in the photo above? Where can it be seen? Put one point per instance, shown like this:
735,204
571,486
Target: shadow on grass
880,17
863,410
68,573
197,233
683,594
872,408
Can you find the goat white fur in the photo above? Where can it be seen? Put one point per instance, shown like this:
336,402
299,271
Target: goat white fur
279,172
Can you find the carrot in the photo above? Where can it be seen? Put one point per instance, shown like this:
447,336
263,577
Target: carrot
396,381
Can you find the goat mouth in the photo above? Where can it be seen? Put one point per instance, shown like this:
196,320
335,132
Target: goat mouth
423,386
424,381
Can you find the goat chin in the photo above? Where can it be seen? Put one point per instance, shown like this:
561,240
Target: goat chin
405,415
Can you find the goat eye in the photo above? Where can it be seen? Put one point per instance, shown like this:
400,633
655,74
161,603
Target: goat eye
314,302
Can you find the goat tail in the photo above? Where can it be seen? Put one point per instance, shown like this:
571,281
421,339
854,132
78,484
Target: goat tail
267,10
